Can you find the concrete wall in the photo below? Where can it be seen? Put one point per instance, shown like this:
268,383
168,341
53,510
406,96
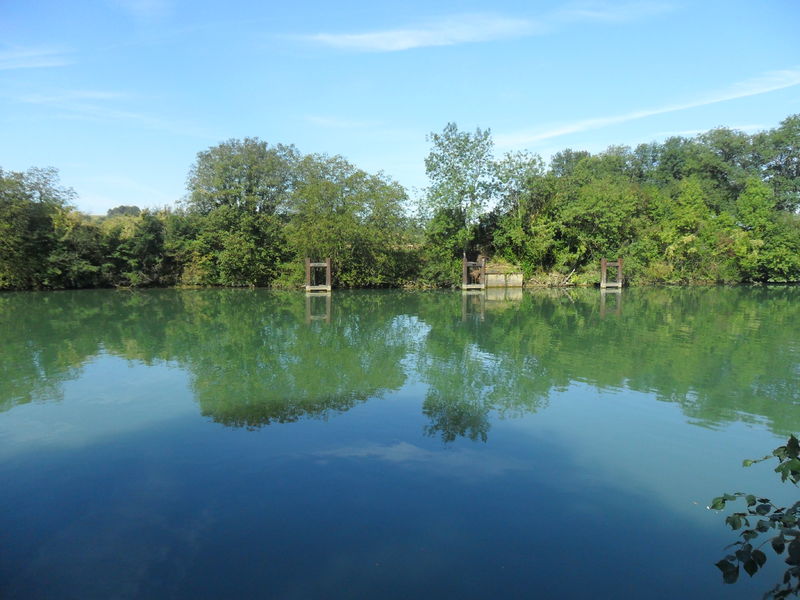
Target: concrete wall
503,294
504,280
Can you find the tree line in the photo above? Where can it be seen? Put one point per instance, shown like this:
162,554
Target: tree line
720,207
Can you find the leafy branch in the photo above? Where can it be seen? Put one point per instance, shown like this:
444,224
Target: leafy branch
762,516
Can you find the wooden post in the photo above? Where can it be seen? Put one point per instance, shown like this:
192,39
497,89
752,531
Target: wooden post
464,271
328,272
327,308
603,269
604,264
308,271
602,301
483,271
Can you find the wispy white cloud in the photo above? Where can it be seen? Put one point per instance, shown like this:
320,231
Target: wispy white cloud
99,105
605,12
769,82
462,463
33,58
471,28
450,31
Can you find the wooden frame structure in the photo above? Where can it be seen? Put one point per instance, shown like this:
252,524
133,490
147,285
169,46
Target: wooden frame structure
468,301
617,294
316,265
604,282
465,266
312,299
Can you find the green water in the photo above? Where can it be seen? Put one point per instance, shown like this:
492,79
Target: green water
246,443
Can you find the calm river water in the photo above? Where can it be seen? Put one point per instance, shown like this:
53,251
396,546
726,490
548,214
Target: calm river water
256,444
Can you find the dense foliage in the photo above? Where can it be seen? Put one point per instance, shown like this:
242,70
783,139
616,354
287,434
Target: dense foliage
719,207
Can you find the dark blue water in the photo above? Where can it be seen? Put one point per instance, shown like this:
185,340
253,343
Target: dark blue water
225,444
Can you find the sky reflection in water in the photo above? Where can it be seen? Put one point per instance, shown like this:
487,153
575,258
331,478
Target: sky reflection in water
221,443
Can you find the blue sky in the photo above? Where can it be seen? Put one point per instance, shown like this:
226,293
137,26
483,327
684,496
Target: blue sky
120,95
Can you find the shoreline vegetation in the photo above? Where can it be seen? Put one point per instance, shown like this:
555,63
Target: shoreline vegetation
720,207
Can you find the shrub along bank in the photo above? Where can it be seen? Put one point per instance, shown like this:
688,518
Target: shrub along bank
719,207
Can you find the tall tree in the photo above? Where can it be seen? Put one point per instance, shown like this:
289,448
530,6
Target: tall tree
29,202
247,175
563,163
779,151
350,216
462,175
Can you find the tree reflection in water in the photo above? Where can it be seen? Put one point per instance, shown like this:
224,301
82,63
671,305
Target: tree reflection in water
258,357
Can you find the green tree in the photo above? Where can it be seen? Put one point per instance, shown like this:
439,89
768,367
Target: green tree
133,211
778,153
767,246
598,222
462,178
563,163
141,252
76,258
247,175
29,203
356,219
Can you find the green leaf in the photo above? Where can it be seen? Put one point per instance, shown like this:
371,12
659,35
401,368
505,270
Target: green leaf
743,553
790,468
759,557
751,567
763,509
778,544
794,552
751,500
793,447
717,503
730,572
734,521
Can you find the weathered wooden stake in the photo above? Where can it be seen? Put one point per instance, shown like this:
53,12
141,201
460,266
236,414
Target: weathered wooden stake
328,273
